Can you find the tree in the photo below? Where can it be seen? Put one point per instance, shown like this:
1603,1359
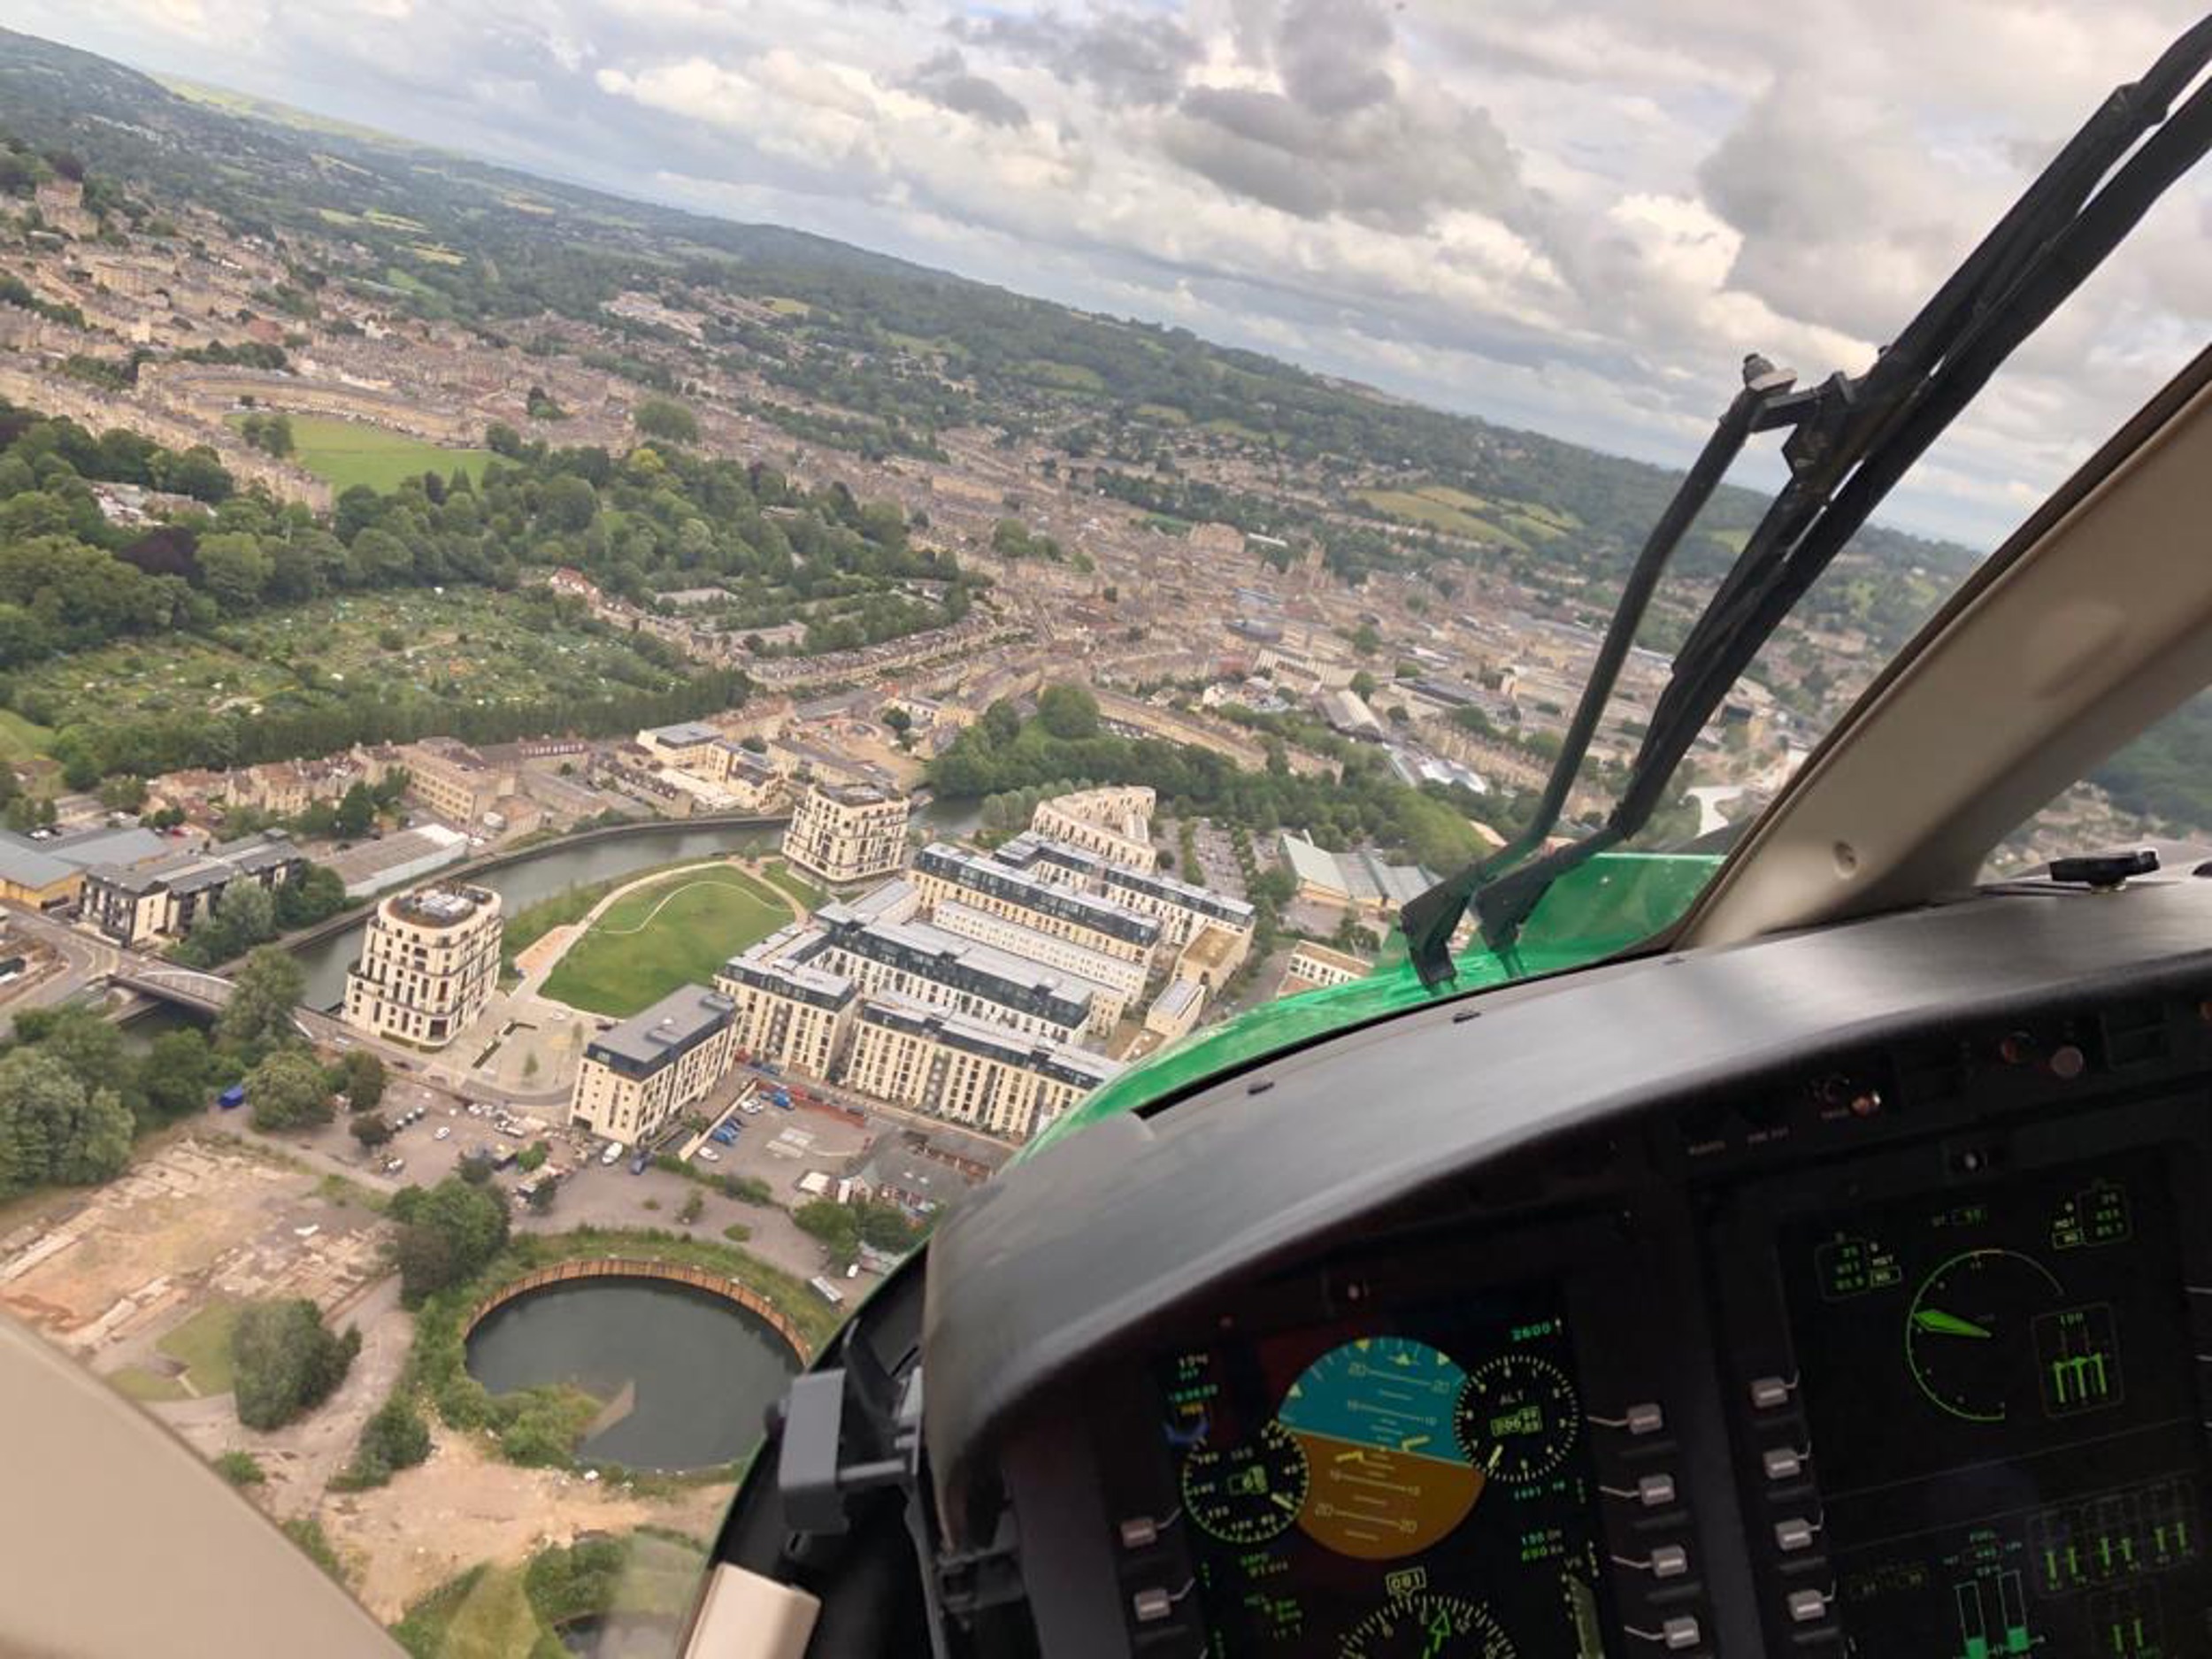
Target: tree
658,418
123,793
369,1128
394,1437
532,1156
449,1233
264,992
88,1049
1068,711
835,1224
1001,722
356,811
898,719
177,1073
542,1196
53,1129
236,569
244,917
288,1090
693,1202
315,894
286,1361
475,1168
363,1086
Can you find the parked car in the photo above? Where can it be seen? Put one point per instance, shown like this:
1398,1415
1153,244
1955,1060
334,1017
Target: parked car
710,1155
445,1132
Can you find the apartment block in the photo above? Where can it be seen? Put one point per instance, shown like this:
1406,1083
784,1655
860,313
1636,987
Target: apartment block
845,832
944,970
947,874
785,1011
1114,823
969,1071
639,1075
163,897
429,964
1182,909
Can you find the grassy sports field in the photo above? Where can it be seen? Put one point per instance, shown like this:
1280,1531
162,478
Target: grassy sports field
347,452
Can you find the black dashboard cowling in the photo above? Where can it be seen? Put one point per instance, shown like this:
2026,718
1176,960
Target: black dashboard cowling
1098,1244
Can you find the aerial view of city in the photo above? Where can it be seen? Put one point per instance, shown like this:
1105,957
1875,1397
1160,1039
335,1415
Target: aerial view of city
577,775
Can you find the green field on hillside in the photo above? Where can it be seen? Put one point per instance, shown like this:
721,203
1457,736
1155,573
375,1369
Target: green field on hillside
674,933
349,452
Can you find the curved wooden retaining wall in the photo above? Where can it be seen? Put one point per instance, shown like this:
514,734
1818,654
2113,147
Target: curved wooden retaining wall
698,1278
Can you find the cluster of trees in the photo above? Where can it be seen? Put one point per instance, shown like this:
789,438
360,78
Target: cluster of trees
248,914
1367,804
73,1097
448,1233
69,581
843,1228
270,433
286,1360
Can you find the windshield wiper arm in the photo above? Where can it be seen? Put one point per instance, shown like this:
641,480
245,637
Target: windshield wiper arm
1764,401
1853,439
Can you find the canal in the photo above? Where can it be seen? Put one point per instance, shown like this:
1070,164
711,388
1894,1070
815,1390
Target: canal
684,1375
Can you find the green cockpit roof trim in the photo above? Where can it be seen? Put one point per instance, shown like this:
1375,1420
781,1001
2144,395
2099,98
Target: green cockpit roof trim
1612,903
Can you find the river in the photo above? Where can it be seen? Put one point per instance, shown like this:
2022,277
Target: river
557,866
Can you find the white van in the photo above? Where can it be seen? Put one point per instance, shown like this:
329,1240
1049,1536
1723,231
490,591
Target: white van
612,1155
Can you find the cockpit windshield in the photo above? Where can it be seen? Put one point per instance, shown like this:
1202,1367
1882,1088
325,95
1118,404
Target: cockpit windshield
638,642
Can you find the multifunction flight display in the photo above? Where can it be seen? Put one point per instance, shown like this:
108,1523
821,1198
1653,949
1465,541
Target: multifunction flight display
1414,1486
2005,1420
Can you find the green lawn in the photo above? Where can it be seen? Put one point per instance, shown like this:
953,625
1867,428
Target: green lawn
789,880
137,1383
202,1343
347,452
19,739
674,933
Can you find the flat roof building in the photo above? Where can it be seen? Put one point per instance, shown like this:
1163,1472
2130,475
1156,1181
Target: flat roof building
952,970
970,1071
948,873
637,1076
165,896
784,1010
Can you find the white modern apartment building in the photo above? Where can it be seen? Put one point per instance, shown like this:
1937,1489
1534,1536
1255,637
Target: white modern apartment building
429,964
844,831
637,1076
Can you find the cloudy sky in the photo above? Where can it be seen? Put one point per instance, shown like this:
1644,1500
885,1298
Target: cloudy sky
1575,215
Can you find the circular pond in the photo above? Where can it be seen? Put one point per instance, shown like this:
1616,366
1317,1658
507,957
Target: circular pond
684,1374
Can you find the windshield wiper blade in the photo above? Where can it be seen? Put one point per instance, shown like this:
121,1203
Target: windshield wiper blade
1429,918
1853,439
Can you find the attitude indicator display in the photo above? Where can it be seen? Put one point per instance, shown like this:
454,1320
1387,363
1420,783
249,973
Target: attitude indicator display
1417,1484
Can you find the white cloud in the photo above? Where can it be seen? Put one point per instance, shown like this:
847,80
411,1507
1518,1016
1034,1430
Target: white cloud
1572,214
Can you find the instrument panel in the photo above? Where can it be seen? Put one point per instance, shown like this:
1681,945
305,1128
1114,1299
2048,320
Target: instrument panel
1934,1392
1999,1385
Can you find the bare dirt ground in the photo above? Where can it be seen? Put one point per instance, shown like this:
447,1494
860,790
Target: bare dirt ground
107,1274
401,1542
